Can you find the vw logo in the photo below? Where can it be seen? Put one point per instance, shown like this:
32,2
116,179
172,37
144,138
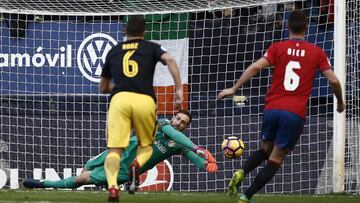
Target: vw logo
92,53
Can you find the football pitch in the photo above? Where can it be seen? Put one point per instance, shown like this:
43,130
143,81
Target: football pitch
42,196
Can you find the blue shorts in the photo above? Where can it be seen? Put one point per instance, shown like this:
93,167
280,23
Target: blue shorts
282,127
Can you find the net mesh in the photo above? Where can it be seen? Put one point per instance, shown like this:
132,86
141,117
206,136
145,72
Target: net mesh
52,115
352,153
121,7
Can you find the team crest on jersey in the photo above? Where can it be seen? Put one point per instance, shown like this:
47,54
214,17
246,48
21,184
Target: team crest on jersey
159,178
171,143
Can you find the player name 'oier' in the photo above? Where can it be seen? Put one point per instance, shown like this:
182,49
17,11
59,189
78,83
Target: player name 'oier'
296,52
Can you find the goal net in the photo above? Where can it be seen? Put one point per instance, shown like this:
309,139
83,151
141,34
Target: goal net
352,150
52,117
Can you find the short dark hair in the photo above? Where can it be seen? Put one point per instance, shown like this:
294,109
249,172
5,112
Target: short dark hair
135,27
297,22
183,111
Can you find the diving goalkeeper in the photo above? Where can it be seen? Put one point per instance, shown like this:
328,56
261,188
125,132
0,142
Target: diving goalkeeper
169,141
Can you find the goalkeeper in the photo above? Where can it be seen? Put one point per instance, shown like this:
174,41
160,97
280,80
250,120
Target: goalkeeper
169,141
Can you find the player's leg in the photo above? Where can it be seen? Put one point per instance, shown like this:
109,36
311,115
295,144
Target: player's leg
268,134
267,173
112,166
118,136
98,176
95,161
288,132
71,182
256,158
144,120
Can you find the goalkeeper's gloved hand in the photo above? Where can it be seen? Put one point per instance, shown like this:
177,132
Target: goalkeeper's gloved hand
204,154
211,167
162,123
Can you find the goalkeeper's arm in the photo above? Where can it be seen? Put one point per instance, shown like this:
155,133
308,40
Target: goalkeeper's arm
180,138
200,162
176,135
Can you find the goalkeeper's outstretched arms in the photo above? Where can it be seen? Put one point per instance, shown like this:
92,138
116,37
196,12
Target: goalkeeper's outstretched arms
200,162
170,129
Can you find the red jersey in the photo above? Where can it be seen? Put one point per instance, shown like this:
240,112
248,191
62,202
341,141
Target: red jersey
295,63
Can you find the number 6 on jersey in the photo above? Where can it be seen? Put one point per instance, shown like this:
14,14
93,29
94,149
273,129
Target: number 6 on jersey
130,67
291,80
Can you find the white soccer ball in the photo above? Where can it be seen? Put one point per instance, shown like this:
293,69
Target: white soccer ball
232,147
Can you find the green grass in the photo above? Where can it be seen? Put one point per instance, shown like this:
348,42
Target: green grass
43,196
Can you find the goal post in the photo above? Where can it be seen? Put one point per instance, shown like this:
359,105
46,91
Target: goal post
339,118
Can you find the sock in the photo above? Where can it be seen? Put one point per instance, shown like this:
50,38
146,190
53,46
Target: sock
263,177
143,154
255,159
112,167
137,171
135,163
65,183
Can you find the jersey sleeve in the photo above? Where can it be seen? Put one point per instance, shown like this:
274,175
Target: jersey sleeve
195,159
158,52
324,63
163,122
270,54
177,136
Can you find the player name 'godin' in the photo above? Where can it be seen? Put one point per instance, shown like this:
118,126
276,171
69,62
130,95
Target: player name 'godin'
61,59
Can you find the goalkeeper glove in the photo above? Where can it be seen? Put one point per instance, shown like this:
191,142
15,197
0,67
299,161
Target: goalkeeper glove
204,154
211,167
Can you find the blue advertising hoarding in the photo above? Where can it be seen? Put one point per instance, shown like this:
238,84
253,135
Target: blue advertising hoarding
56,57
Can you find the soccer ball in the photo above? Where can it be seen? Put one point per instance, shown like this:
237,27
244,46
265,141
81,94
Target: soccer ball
232,147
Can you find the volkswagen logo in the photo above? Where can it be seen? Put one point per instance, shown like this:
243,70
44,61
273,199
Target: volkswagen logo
92,53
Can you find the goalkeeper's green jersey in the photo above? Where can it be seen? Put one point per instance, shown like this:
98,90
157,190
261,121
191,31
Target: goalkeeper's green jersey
163,148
